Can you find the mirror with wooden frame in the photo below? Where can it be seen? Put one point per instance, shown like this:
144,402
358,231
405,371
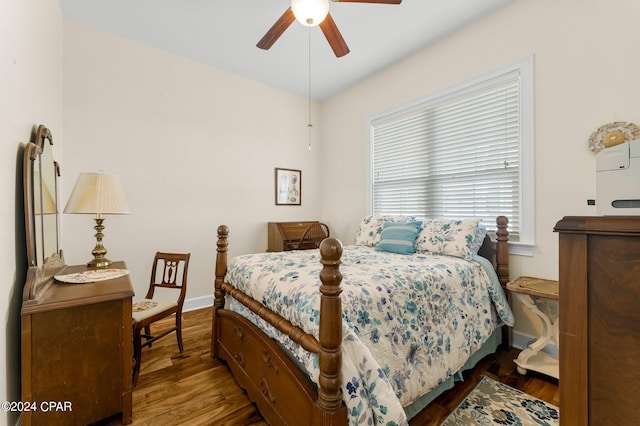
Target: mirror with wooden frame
41,209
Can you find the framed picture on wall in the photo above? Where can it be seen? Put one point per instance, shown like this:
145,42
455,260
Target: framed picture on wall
288,187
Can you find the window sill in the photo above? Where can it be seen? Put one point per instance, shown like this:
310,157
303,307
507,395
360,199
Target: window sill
521,249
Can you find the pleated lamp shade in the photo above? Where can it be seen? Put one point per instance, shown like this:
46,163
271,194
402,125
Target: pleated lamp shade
98,193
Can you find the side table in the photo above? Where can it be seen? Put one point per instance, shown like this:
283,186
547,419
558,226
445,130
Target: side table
535,294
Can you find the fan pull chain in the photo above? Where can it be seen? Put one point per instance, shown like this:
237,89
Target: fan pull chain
309,124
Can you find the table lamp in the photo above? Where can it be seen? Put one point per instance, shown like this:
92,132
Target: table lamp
99,194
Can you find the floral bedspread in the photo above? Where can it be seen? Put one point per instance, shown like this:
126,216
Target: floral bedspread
409,321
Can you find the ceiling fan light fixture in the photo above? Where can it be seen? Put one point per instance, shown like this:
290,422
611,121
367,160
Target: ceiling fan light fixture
310,12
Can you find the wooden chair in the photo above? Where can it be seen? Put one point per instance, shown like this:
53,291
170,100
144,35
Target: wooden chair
169,272
313,236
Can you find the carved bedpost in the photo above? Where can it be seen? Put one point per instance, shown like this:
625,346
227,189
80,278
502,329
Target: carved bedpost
221,270
502,250
330,356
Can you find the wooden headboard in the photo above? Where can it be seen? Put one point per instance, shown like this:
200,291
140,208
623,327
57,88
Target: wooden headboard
498,252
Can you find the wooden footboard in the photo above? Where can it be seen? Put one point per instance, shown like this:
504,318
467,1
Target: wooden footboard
283,393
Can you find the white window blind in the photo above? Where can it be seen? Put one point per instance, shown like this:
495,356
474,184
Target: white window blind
452,156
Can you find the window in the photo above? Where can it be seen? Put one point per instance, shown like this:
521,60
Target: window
463,152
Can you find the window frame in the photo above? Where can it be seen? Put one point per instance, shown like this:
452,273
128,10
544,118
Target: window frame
524,68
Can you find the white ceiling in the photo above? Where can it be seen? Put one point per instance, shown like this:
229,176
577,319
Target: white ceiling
224,33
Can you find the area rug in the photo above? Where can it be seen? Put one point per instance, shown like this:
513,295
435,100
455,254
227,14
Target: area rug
494,403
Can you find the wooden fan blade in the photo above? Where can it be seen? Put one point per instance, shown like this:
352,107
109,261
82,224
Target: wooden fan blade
369,1
333,36
276,30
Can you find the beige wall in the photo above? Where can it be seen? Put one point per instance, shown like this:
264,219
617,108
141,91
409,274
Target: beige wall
194,146
30,93
586,75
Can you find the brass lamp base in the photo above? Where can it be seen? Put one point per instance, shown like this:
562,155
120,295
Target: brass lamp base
99,263
99,260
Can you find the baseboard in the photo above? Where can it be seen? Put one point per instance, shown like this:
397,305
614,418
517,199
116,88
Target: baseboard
197,303
521,341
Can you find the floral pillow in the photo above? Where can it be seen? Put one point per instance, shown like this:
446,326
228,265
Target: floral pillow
478,239
370,229
448,236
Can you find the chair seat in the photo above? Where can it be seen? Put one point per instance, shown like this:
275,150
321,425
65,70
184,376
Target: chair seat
169,272
147,308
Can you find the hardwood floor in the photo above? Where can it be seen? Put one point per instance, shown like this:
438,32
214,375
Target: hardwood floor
189,388
193,389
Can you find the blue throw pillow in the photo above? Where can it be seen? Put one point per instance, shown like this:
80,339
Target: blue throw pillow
399,237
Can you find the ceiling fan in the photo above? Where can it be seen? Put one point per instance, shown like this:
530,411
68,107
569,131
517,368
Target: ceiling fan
311,13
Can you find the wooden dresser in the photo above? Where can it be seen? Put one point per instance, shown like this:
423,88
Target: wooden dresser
77,351
600,326
284,236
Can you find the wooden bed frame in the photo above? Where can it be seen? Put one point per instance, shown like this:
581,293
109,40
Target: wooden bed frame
283,393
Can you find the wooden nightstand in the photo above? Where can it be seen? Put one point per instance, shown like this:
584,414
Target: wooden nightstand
535,294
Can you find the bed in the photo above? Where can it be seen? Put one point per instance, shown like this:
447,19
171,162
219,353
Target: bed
375,347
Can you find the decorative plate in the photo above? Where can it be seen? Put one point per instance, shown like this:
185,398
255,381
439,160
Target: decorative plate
91,276
613,134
